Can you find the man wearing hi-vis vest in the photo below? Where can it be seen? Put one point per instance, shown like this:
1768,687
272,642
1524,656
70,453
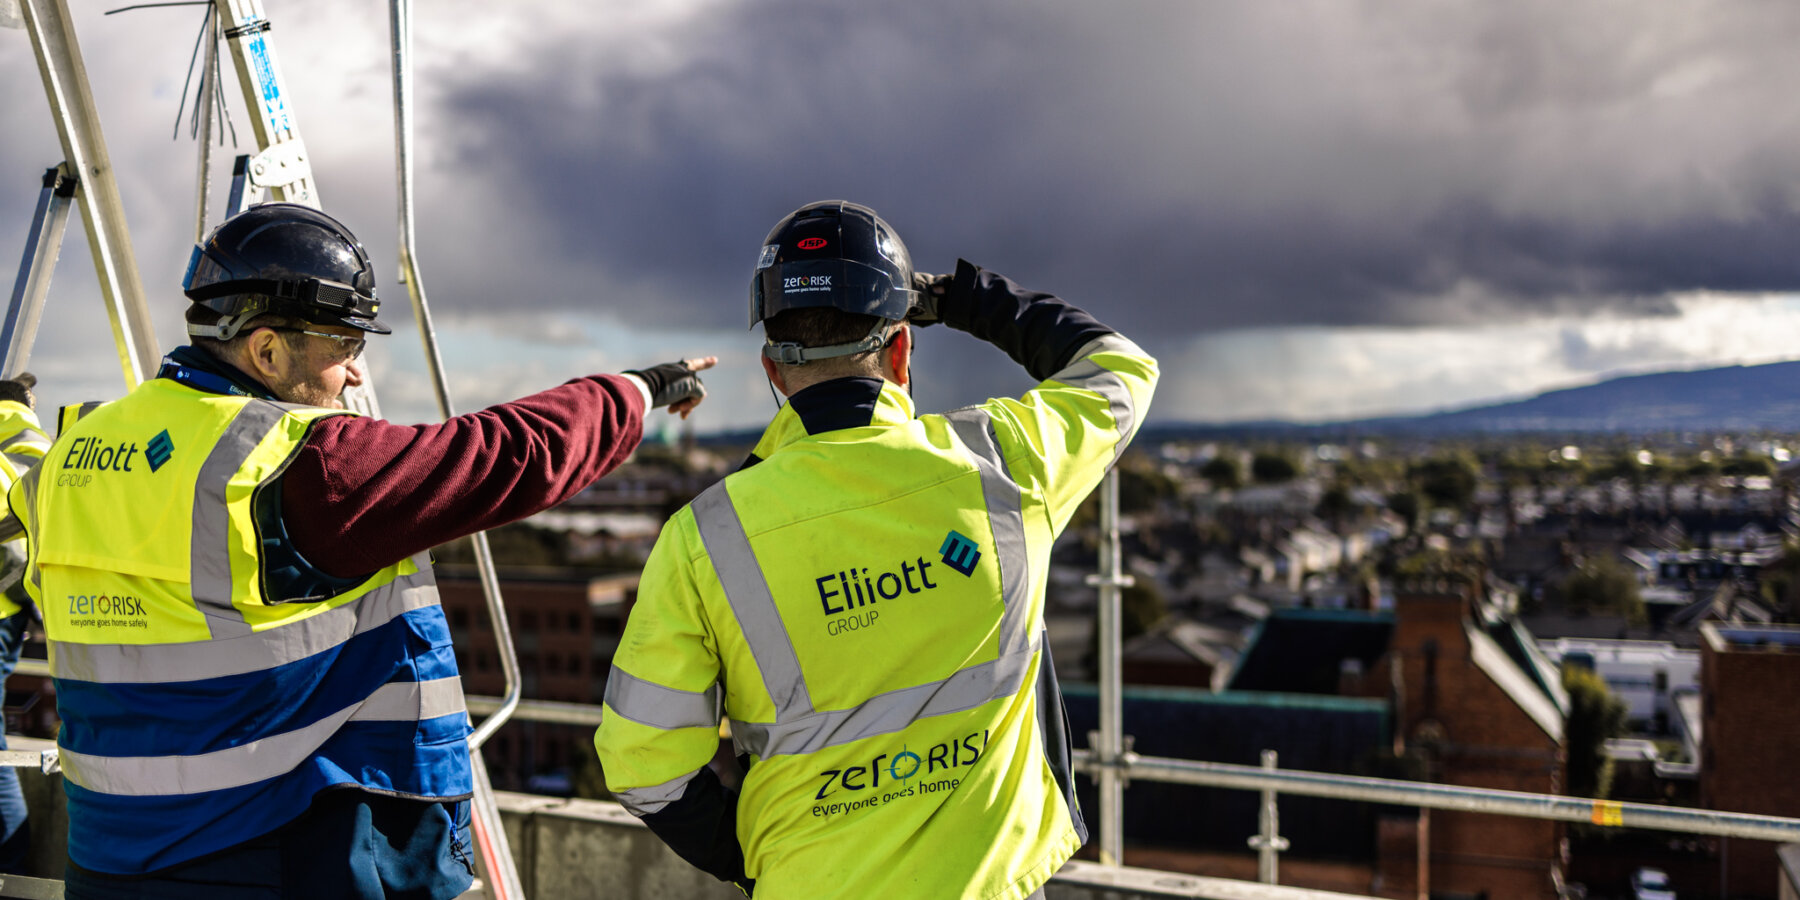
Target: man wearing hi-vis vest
258,692
22,445
863,601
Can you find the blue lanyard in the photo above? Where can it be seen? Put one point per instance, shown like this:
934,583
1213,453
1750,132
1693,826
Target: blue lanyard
200,379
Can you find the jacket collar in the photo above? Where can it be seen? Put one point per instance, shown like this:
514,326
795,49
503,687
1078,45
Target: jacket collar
199,369
834,405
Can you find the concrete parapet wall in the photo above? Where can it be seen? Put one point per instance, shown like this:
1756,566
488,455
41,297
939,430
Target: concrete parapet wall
588,848
568,849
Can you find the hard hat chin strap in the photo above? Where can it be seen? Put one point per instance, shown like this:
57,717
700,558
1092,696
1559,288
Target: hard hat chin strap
227,327
789,353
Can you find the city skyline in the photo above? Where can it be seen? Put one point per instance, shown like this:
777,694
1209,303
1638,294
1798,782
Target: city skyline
1309,212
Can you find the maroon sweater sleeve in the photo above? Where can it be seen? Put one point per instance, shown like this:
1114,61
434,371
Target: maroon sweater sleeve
365,493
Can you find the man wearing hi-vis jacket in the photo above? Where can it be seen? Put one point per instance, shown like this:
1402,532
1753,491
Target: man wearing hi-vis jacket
257,686
863,601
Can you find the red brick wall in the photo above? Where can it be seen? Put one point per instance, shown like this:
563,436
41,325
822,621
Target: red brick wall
1751,732
1482,738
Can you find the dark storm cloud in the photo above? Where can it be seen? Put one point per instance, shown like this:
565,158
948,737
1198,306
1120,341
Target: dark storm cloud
1177,165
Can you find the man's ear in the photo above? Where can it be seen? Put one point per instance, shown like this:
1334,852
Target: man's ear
266,355
773,370
896,358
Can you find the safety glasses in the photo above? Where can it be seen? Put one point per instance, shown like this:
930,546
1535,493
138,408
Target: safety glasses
349,346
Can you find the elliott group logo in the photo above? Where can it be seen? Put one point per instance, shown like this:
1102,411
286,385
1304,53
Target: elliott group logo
88,455
159,450
960,553
850,590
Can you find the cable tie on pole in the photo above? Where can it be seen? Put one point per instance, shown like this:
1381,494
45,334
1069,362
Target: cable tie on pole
249,28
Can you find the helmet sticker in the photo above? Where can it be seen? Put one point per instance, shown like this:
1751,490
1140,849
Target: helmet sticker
768,256
806,284
811,243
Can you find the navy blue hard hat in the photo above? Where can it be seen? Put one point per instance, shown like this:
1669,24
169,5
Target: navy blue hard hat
286,259
832,254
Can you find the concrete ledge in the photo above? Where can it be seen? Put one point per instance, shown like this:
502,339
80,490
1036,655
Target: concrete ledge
1090,881
568,849
589,848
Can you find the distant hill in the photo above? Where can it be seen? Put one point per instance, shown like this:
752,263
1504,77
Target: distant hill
1733,398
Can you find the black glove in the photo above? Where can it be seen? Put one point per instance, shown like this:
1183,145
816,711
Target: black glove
18,389
930,289
671,383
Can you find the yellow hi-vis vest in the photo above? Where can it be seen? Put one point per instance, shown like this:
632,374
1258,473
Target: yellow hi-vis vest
865,606
201,707
22,444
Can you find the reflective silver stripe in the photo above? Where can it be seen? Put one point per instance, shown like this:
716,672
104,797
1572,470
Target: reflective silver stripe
251,652
890,712
966,689
21,461
1006,519
1086,374
209,560
30,437
259,760
648,703
412,701
748,593
643,801
30,488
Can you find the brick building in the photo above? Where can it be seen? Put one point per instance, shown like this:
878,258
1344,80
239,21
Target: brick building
1479,706
1473,703
1749,679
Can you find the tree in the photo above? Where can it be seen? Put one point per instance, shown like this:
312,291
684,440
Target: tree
1141,608
1595,716
1742,466
1781,581
1601,584
1269,467
1336,504
1447,481
1223,472
1702,468
1142,485
1405,504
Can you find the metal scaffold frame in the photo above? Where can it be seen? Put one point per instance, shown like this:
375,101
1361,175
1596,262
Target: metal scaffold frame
96,189
281,167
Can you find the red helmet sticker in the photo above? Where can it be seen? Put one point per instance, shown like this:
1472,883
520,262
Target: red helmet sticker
811,243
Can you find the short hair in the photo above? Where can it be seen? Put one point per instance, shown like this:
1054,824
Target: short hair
201,314
824,326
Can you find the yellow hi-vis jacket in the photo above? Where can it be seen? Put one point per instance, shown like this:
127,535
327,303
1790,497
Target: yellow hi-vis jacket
203,703
22,445
865,606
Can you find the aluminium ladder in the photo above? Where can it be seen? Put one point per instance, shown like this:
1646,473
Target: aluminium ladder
282,168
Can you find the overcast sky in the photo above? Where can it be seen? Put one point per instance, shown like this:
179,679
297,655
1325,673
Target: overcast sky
1307,210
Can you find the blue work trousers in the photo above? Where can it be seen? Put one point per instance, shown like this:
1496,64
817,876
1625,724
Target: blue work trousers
15,832
351,844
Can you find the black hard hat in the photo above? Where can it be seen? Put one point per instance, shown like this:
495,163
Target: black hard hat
286,259
835,254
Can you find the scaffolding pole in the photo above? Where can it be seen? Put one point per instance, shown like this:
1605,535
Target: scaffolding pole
1610,813
1110,742
97,190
